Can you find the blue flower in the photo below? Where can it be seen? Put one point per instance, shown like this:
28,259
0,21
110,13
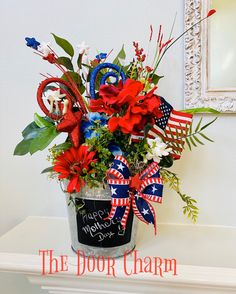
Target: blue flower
101,56
32,42
88,127
114,149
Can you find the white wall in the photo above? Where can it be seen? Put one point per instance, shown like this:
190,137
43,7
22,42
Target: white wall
208,173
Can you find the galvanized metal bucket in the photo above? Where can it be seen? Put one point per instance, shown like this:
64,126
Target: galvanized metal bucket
90,233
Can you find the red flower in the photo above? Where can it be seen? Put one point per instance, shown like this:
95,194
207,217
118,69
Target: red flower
126,123
113,98
133,111
212,11
148,104
98,105
120,96
140,111
70,165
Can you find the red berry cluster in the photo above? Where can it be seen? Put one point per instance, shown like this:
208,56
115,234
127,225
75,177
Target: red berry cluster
149,69
139,52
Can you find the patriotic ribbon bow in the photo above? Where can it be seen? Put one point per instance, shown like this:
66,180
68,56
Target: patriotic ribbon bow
134,191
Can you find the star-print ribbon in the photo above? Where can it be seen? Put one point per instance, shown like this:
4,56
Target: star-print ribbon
134,191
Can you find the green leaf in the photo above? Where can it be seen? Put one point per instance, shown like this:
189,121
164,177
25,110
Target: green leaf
61,147
207,125
198,125
121,55
33,134
147,128
126,68
79,60
197,140
155,78
44,138
205,137
82,89
183,135
201,110
192,141
166,161
22,148
74,76
188,143
31,131
30,128
172,179
66,62
41,122
133,71
64,44
191,129
47,170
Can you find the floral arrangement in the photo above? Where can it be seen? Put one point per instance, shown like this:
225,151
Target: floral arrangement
120,131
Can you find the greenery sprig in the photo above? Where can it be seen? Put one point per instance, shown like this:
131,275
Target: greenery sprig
195,137
190,209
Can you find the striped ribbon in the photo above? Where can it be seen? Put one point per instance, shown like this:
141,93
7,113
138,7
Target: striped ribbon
135,192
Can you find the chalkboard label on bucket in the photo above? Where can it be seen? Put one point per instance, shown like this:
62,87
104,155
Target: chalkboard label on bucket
93,230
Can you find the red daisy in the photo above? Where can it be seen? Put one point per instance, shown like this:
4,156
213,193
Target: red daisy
70,165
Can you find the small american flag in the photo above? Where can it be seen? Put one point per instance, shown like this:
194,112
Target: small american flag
172,127
137,138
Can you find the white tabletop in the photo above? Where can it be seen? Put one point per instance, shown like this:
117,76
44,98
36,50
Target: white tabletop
205,254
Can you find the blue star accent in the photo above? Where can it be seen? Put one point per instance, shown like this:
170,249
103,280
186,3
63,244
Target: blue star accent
32,42
101,56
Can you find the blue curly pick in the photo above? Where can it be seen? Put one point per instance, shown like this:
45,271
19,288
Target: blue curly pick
97,69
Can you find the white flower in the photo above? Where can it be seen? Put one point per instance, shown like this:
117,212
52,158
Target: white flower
44,48
157,149
53,97
83,48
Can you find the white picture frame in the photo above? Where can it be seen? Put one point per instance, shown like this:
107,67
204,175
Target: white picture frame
196,90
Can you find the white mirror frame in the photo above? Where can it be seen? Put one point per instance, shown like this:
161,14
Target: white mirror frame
197,93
